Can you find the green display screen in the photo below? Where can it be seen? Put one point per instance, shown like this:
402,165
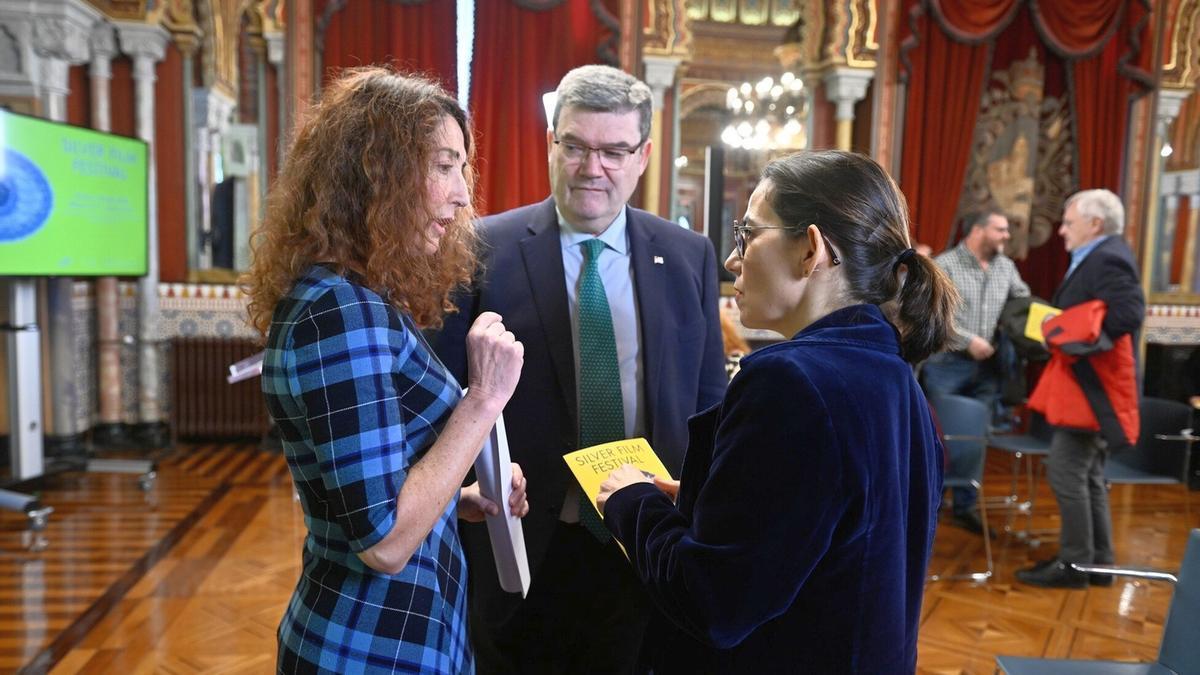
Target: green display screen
73,202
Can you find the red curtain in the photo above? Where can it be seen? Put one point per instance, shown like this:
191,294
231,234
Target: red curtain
1076,28
1104,87
415,38
519,55
1107,44
974,20
939,123
1101,111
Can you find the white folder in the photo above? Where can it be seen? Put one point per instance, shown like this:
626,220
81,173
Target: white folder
493,468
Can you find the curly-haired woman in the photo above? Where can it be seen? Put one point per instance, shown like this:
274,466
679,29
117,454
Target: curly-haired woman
367,232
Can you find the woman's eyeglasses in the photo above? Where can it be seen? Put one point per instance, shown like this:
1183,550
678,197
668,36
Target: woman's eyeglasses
741,229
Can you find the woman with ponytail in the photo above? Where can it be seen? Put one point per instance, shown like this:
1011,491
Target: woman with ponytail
805,512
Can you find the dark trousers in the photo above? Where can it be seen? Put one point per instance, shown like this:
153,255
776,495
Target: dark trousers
1075,470
958,374
586,612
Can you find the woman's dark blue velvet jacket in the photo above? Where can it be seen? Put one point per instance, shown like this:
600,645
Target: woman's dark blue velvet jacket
805,516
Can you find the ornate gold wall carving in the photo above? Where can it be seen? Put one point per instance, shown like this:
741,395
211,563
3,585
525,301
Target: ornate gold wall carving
1182,67
1021,156
839,33
668,32
221,20
746,12
125,10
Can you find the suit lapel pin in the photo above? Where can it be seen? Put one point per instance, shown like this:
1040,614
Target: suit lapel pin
658,260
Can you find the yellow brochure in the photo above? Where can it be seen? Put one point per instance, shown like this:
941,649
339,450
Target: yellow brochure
592,465
1038,312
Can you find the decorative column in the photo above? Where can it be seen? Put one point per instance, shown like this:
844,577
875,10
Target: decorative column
845,87
60,39
22,335
660,75
147,44
108,430
188,44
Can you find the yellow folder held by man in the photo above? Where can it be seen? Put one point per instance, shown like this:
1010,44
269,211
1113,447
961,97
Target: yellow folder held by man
1038,312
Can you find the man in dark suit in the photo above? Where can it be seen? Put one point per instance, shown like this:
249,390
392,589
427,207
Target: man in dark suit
1104,417
544,268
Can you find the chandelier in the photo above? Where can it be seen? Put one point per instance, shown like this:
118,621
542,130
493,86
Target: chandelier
767,114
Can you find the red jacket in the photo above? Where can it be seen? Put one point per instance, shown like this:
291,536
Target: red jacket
1091,381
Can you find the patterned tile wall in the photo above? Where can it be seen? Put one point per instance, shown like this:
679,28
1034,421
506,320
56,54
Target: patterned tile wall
1173,324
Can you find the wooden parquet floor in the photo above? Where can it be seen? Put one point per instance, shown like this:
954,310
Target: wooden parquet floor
193,575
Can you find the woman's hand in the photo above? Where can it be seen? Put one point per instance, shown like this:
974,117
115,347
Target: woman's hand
668,486
494,359
626,475
473,507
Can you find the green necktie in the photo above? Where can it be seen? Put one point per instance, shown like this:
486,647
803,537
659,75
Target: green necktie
601,412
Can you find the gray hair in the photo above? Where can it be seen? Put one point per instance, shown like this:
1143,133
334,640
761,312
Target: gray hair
604,89
1102,204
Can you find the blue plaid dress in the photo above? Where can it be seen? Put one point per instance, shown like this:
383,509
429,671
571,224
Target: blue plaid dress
359,398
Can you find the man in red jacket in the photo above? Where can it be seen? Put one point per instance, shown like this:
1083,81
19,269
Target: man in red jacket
1089,390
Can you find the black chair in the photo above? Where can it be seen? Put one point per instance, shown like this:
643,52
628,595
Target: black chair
1163,448
964,423
1179,651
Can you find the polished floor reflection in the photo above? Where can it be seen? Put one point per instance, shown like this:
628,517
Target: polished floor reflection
192,576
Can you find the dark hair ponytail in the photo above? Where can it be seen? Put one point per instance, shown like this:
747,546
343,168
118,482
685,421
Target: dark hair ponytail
925,310
858,206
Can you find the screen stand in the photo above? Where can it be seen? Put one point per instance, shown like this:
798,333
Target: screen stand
23,340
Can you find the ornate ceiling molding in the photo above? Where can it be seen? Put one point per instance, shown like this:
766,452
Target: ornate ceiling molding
62,29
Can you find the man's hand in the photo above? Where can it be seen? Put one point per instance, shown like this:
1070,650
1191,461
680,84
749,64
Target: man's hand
473,507
980,349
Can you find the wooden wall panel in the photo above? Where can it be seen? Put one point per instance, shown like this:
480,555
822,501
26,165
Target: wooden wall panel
169,154
272,111
79,101
124,112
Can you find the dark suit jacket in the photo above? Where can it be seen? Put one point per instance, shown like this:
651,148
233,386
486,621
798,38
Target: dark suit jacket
681,352
1108,379
1108,273
805,517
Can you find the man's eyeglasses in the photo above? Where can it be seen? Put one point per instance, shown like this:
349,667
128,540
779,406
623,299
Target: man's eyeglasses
741,229
611,157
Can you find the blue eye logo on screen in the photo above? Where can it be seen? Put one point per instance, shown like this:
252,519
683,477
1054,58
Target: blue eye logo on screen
25,197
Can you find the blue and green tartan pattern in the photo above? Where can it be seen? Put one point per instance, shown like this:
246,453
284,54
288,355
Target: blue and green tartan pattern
359,398
601,409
